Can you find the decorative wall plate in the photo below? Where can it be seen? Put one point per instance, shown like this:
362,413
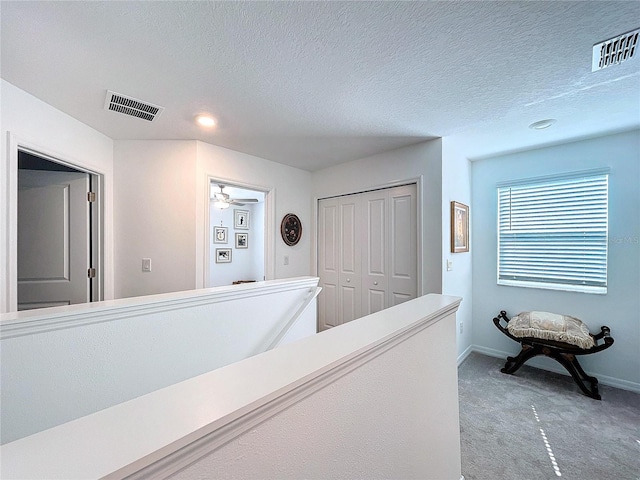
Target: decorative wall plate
291,229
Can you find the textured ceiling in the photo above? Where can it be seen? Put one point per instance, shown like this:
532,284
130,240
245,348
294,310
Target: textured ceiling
312,84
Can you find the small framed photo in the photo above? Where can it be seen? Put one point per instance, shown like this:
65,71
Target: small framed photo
241,219
459,227
223,255
220,234
242,240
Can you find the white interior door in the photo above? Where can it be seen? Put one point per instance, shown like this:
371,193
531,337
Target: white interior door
367,253
53,238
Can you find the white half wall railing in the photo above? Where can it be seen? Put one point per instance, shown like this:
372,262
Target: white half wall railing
286,328
62,363
374,398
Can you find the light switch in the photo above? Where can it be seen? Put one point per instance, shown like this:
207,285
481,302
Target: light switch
449,265
146,264
286,259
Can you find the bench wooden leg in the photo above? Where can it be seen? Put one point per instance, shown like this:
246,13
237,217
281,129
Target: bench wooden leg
567,360
570,362
513,364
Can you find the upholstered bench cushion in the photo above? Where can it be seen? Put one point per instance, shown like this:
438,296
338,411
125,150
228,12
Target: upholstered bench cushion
551,326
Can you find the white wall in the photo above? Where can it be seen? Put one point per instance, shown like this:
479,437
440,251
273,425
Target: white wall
394,417
246,263
38,125
399,166
154,205
62,363
374,398
162,212
456,186
288,192
620,307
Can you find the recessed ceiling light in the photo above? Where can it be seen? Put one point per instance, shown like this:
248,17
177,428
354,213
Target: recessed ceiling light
542,124
205,121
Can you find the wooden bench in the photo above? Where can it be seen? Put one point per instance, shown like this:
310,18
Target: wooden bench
563,353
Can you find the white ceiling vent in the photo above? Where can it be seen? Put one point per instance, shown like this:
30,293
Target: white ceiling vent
131,106
614,51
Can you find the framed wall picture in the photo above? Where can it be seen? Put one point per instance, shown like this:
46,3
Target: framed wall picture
242,240
220,234
241,219
223,255
459,227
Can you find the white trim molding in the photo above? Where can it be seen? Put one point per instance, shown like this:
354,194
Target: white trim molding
463,356
36,321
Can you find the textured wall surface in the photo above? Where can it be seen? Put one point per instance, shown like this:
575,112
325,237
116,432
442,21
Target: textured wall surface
403,165
57,375
396,416
456,186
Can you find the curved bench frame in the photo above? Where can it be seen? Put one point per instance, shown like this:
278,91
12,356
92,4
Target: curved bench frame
563,353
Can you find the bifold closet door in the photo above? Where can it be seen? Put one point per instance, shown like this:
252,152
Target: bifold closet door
367,253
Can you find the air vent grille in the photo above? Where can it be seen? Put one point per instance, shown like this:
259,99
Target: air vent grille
614,51
117,102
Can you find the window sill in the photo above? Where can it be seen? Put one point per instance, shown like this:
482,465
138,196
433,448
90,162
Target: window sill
555,286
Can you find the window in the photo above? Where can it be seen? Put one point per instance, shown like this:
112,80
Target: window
552,233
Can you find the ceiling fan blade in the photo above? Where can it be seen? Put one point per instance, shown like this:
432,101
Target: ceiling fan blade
233,202
246,200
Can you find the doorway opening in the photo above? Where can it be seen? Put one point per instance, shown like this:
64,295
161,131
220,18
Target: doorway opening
59,245
236,234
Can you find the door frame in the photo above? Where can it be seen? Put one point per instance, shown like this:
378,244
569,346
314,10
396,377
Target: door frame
9,285
269,222
418,181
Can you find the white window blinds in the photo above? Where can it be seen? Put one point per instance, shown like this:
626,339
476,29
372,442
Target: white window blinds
552,233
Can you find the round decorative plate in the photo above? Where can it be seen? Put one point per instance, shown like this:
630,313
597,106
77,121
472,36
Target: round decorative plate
291,229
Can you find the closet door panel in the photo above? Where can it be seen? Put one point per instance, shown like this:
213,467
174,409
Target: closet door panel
397,298
350,257
374,300
328,302
328,264
374,241
374,251
403,265
350,304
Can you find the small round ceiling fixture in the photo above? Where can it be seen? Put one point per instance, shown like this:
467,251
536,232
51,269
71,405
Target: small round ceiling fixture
206,121
542,124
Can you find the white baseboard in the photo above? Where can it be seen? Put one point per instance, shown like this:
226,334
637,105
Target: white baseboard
602,379
463,356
